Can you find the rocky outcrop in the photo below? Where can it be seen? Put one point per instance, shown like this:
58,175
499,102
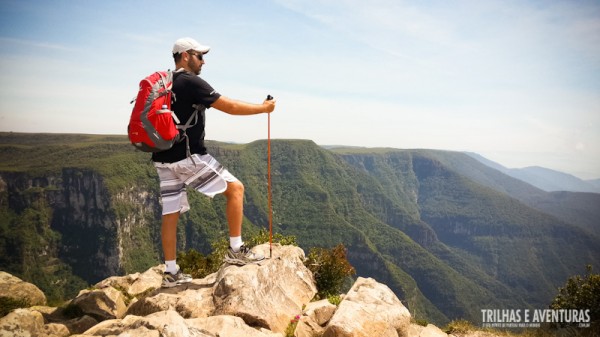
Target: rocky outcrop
257,300
14,288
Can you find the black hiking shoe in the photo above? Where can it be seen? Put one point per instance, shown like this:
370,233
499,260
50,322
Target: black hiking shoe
169,280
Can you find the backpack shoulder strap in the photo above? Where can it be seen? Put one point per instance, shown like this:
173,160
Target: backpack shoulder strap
188,125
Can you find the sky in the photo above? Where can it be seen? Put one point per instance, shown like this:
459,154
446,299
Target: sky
515,81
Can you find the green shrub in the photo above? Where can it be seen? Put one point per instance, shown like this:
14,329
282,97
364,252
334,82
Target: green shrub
459,326
334,299
8,304
330,268
199,266
194,263
263,237
420,321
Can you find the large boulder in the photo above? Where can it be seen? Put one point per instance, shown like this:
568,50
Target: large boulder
191,300
21,323
266,295
16,289
370,309
102,304
135,284
111,298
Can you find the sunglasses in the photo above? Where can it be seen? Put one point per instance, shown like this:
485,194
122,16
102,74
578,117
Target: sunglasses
199,55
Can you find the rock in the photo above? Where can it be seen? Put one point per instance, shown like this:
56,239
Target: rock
307,327
102,304
14,288
55,330
228,326
165,323
22,323
135,284
320,311
188,303
80,324
370,309
150,279
415,330
54,315
315,316
191,300
266,295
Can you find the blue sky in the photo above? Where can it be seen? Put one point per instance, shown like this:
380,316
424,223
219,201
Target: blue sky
516,81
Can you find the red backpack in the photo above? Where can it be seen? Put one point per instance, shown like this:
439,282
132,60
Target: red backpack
153,126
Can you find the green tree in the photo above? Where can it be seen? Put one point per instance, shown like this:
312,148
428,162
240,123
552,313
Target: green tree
581,293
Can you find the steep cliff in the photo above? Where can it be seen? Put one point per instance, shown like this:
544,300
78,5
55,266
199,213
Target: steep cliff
72,218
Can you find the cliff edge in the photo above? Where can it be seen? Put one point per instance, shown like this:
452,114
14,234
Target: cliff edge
272,298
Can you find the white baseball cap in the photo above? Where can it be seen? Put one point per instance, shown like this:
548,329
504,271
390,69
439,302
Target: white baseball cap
187,43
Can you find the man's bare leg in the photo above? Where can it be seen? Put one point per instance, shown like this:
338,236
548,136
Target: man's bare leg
235,207
235,214
169,235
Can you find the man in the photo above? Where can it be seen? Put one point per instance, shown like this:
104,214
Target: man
177,169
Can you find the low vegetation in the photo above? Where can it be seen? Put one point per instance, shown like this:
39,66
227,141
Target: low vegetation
330,268
8,304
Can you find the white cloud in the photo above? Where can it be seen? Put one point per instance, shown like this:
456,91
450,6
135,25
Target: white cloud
6,42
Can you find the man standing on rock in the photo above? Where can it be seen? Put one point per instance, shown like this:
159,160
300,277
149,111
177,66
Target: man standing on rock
177,170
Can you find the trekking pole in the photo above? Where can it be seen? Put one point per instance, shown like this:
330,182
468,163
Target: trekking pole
269,193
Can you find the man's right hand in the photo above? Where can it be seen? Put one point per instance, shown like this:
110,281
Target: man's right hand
269,104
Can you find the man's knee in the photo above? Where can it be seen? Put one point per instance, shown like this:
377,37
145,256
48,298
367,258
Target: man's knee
234,189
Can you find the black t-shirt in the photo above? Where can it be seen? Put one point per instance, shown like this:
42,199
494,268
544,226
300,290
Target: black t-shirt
188,90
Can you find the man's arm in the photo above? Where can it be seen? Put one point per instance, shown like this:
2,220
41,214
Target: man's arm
235,107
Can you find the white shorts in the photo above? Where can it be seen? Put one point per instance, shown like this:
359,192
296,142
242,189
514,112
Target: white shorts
202,173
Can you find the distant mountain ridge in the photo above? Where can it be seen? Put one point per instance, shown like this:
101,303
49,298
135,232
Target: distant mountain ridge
543,178
448,234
